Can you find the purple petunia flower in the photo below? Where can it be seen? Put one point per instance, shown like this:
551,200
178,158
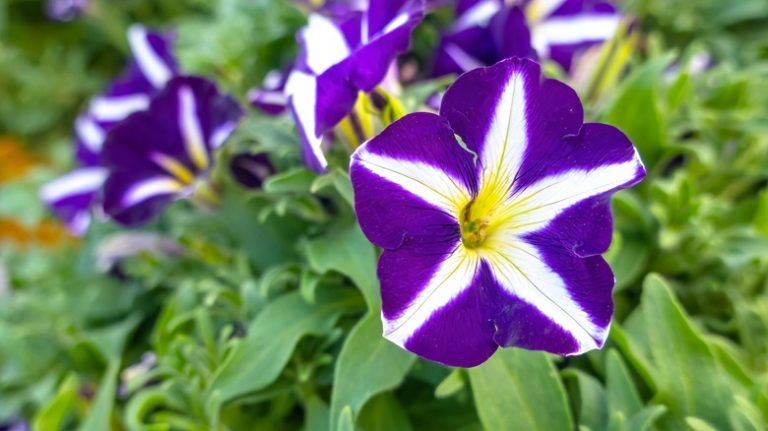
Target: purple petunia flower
497,244
158,155
72,196
66,10
487,31
338,58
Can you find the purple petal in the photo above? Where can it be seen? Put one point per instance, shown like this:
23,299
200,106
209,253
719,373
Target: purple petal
133,199
380,13
71,197
368,65
418,169
511,35
89,137
463,51
458,333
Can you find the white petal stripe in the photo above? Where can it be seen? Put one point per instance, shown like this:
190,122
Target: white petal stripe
77,182
151,188
454,275
505,143
462,58
325,43
573,30
478,15
302,91
520,270
152,65
191,129
117,108
428,182
89,133
536,206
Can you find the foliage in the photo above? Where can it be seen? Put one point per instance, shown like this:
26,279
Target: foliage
270,317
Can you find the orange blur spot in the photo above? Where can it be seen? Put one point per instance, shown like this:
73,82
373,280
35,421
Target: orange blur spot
15,161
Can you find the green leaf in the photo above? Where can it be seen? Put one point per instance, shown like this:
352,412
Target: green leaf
367,365
349,253
592,403
645,418
697,424
260,357
621,391
346,421
337,179
455,382
628,258
52,415
99,417
317,414
294,181
637,112
141,405
520,389
681,357
384,413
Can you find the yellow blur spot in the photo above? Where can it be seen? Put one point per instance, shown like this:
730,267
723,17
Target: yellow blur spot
175,168
358,126
46,234
197,153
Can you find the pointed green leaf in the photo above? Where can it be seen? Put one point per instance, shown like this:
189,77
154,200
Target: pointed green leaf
681,357
384,413
367,365
621,391
592,403
349,253
99,417
260,357
519,389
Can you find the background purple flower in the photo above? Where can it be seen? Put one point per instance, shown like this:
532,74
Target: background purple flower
250,170
160,154
73,196
338,58
487,31
498,244
270,98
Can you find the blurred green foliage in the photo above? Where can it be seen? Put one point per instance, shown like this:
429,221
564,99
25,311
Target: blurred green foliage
269,319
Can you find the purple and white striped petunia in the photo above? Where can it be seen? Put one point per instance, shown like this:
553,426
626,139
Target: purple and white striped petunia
496,241
72,196
158,155
338,58
487,31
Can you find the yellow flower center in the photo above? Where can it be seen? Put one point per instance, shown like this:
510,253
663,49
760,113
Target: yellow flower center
474,231
482,216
